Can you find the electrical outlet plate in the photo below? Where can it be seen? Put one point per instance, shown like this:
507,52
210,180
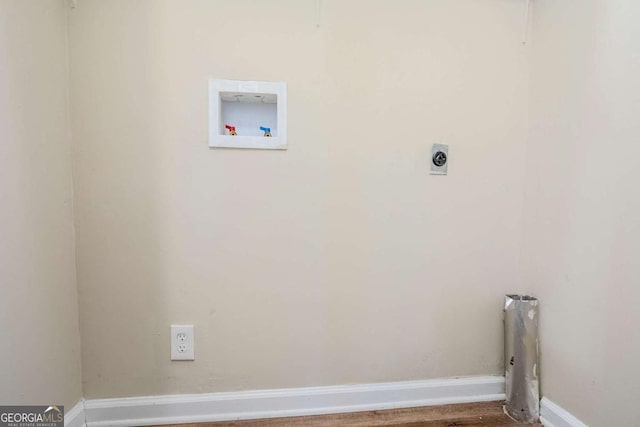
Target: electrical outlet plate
182,342
439,159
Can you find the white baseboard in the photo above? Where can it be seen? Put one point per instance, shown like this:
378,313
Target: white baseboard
74,417
552,415
192,408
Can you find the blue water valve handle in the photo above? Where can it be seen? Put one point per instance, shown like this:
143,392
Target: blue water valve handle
266,130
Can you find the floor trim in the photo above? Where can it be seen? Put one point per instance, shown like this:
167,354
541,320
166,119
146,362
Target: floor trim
552,415
74,417
193,408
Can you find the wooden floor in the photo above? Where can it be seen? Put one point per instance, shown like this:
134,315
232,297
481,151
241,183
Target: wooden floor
470,414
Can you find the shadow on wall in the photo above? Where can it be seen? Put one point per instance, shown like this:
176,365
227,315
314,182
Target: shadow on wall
38,307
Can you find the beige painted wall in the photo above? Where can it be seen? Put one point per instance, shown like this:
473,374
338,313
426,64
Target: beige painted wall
583,205
331,262
40,345
340,260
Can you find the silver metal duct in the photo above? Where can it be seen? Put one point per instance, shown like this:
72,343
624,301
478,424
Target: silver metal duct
521,357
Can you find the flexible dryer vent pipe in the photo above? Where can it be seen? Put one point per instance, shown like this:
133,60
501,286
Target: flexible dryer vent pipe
521,358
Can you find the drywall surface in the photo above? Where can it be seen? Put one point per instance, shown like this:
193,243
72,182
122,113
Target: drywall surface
340,260
40,345
582,228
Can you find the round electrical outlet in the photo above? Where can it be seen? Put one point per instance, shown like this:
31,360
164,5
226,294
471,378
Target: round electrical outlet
181,337
439,158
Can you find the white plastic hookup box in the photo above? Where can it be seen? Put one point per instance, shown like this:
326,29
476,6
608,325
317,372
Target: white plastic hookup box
248,108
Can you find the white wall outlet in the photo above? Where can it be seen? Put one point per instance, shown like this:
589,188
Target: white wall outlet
182,342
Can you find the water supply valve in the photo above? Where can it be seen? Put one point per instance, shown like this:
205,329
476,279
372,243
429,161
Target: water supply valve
231,129
266,130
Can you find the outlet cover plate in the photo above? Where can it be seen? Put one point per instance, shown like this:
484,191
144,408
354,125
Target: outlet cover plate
441,153
182,342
